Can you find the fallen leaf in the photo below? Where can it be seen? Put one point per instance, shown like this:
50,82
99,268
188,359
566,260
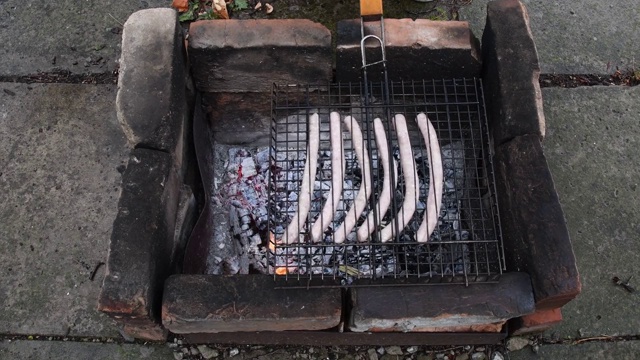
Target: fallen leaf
349,270
220,9
269,8
180,5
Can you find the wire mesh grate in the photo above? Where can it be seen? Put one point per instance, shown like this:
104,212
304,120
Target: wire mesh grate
361,241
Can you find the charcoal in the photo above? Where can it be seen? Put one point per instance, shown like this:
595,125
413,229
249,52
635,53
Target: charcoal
249,193
248,167
262,157
231,266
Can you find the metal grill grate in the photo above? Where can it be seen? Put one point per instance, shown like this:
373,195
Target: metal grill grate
465,246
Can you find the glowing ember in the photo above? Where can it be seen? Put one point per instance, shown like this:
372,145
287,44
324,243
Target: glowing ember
281,270
272,242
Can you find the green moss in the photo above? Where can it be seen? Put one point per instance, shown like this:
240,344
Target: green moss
329,12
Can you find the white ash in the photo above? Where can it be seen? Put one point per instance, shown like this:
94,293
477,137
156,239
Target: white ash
241,215
242,191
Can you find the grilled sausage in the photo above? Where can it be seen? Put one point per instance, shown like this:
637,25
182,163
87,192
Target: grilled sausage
337,180
385,196
365,191
434,199
311,166
410,174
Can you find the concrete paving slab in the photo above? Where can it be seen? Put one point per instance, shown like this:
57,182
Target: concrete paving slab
59,186
624,350
61,350
82,36
593,149
576,37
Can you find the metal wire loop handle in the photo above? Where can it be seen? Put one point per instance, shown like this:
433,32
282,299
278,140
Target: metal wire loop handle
364,53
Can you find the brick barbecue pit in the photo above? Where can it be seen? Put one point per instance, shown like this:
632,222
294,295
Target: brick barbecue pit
190,246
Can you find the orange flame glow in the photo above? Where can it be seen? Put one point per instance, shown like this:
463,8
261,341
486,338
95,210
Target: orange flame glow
281,270
272,242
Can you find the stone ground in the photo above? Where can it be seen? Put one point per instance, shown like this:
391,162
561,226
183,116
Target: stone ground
585,37
59,186
62,152
79,36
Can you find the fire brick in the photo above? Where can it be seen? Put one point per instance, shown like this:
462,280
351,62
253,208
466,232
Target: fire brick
250,55
511,72
477,308
239,118
415,49
539,321
245,303
536,238
141,243
153,101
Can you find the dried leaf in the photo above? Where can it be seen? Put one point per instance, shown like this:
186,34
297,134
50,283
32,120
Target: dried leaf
351,271
180,5
220,9
269,8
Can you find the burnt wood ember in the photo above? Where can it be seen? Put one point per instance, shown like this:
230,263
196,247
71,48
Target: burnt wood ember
240,201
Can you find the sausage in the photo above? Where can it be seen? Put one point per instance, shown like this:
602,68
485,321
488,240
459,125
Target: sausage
337,176
434,200
311,166
410,174
385,195
365,191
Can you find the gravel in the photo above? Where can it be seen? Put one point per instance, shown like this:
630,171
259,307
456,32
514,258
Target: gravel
517,343
373,355
207,352
393,350
185,351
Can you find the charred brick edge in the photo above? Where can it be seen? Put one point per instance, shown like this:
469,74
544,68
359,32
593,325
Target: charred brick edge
454,55
536,238
335,338
244,303
429,308
155,94
154,105
141,240
537,322
250,55
511,73
198,242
